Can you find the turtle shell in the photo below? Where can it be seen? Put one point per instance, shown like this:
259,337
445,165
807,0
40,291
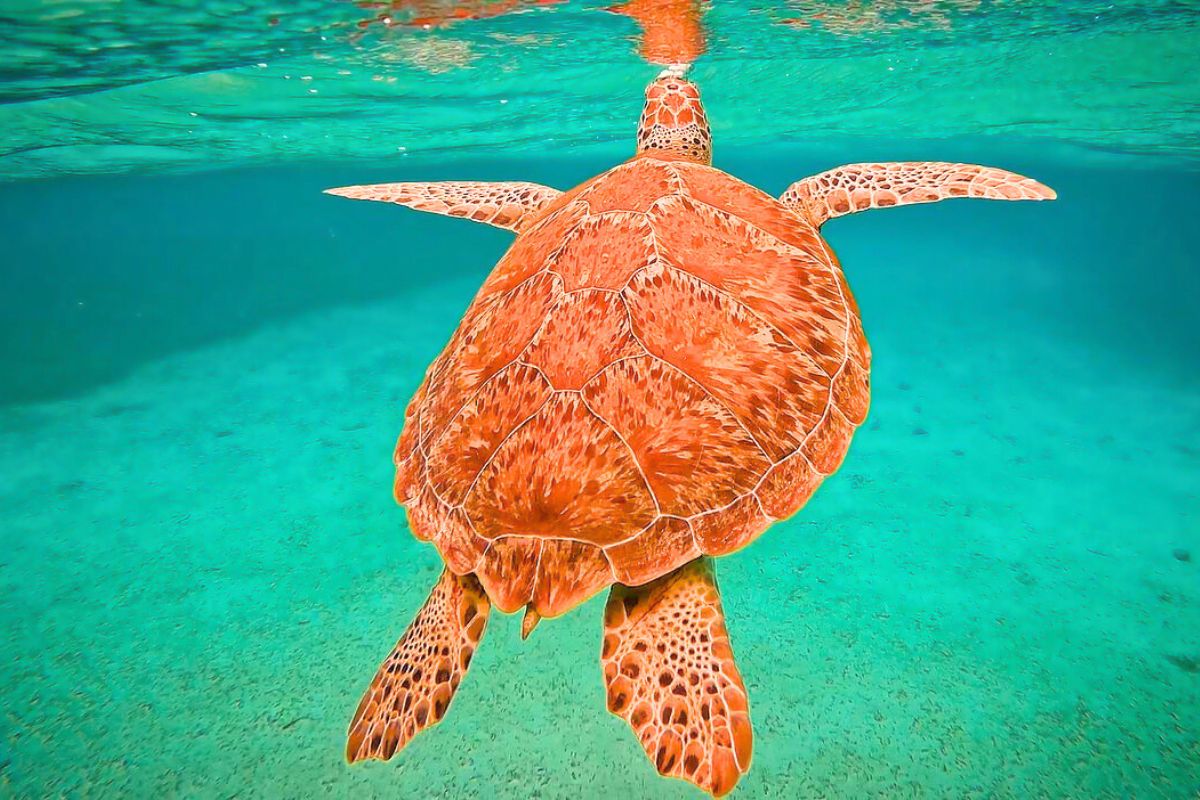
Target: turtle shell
663,364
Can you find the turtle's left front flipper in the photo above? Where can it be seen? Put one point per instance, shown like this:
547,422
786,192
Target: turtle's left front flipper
508,204
670,674
857,187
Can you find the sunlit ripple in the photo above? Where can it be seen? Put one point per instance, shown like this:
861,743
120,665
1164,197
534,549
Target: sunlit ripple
114,86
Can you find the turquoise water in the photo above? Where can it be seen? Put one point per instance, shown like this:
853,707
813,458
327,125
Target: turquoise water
206,362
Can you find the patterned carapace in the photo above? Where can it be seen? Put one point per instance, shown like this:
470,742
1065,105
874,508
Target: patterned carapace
666,361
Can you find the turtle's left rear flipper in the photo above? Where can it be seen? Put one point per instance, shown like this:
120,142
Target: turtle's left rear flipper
670,674
857,187
414,685
508,204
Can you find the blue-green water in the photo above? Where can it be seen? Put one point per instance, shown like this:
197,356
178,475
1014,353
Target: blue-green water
205,363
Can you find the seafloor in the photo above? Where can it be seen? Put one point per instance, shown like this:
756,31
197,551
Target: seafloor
201,564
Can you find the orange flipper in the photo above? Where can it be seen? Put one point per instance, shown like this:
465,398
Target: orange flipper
506,204
670,674
857,187
415,684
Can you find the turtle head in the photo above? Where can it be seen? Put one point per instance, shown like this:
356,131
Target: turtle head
673,123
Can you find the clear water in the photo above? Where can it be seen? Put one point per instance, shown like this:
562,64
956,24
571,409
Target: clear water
205,363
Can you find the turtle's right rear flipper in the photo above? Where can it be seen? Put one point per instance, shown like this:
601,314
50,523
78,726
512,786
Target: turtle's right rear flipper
670,674
415,684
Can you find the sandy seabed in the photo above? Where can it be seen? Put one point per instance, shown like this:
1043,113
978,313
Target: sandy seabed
201,564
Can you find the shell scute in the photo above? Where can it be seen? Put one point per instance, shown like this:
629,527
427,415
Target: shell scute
448,528
852,390
727,528
563,474
603,252
662,547
472,436
491,337
786,287
531,252
754,206
408,457
692,450
773,388
568,359
508,571
569,572
827,444
633,186
788,485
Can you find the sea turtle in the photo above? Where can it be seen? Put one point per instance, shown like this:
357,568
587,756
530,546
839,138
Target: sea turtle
665,362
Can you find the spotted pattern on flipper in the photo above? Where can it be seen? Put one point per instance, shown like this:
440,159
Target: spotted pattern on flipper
512,205
669,672
857,187
414,686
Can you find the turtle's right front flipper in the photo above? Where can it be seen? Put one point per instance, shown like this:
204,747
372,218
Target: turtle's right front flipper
415,684
858,187
507,204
